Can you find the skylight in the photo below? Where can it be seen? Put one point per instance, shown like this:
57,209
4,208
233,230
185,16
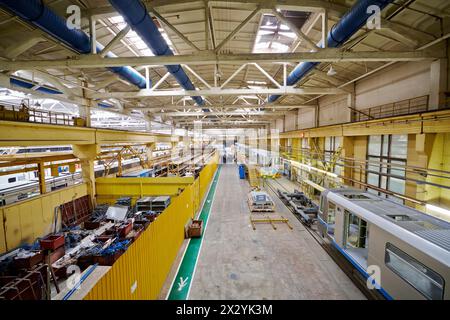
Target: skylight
274,36
135,39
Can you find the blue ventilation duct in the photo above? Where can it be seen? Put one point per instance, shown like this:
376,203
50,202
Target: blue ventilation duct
349,24
35,12
137,17
28,85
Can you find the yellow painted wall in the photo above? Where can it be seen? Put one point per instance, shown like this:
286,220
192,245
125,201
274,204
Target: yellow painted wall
25,221
359,153
439,159
147,262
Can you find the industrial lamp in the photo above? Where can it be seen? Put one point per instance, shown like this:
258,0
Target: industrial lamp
331,72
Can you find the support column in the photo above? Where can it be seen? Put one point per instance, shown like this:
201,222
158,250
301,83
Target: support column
150,148
438,84
87,155
41,173
419,151
85,108
347,152
275,146
262,142
85,113
351,104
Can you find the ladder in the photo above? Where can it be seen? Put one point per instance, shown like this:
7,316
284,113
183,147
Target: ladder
253,177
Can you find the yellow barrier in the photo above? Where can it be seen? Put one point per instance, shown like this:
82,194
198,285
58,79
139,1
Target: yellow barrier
142,270
147,261
25,221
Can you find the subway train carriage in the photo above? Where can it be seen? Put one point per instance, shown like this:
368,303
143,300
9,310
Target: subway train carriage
409,248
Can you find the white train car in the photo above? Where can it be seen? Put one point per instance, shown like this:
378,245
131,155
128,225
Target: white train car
21,190
20,186
409,251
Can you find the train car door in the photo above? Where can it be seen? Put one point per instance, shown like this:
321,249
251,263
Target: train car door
339,230
356,237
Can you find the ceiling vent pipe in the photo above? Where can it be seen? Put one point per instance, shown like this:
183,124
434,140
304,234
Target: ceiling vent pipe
36,13
39,88
343,30
137,17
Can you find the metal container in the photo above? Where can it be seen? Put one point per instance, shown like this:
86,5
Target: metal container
52,242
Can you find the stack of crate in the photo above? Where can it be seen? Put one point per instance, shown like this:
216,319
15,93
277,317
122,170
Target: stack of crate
160,203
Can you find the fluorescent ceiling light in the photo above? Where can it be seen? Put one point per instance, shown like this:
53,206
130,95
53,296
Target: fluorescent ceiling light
331,72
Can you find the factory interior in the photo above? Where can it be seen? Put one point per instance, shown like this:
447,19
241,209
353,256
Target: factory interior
224,150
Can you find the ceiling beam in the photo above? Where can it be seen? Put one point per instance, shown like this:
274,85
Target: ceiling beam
214,92
296,5
221,113
325,55
224,106
238,28
173,29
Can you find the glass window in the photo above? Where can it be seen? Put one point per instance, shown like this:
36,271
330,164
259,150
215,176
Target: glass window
331,212
429,283
305,144
383,152
397,185
385,146
356,231
399,146
328,143
322,203
337,142
375,145
397,170
331,218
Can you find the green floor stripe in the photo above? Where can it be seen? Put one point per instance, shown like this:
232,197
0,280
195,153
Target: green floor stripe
181,285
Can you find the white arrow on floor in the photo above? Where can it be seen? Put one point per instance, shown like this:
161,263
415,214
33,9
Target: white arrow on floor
182,283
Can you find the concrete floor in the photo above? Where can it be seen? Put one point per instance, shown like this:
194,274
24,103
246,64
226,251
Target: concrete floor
237,262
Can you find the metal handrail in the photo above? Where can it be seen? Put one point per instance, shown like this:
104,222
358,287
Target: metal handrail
403,107
24,113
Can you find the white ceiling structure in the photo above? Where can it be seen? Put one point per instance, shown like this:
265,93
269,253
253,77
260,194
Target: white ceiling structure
235,52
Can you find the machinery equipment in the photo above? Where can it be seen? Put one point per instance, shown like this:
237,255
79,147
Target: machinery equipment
260,201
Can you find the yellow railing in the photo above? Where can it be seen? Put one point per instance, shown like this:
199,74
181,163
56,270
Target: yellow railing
142,270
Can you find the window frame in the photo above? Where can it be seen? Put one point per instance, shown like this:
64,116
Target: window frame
398,252
347,214
384,160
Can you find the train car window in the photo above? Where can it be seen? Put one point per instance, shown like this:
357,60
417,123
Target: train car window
322,204
426,281
356,231
12,180
331,218
331,212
